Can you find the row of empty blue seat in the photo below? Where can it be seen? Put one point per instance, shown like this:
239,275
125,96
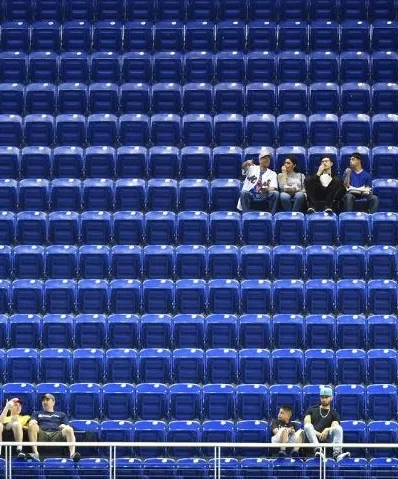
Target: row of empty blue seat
199,228
222,402
194,163
44,98
174,35
198,66
227,129
215,366
199,468
198,262
208,9
195,296
126,331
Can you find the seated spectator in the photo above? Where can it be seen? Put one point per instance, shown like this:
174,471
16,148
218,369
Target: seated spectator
291,186
13,424
260,185
48,425
323,186
358,184
322,424
285,431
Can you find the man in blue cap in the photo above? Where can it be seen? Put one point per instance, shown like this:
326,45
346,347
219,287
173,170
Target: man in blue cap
322,424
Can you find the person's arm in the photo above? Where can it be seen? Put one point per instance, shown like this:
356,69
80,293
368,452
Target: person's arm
347,178
246,165
273,184
283,176
6,409
320,171
64,421
307,419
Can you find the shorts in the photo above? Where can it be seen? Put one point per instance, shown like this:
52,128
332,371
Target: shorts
50,436
277,438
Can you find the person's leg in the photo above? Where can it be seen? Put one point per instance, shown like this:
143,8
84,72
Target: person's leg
299,202
373,203
309,432
333,193
281,437
297,438
245,200
313,190
17,430
273,201
349,201
33,432
286,201
336,437
69,436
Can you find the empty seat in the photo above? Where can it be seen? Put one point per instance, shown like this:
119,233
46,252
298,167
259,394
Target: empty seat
320,262
76,35
191,296
221,331
24,330
260,129
46,35
105,67
225,227
137,67
96,227
354,228
384,66
385,161
288,262
289,228
218,403
323,129
230,67
324,98
351,296
97,194
288,296
351,262
292,129
88,365
125,296
107,35
261,67
70,130
31,227
29,262
61,262
121,366
190,261
381,262
257,227
85,400
293,35
382,366
199,35
292,67
168,35
63,228
324,34
386,191
155,367
138,35
22,365
255,262
149,431
9,194
16,35
167,67
350,401
252,401
9,162
199,67
350,331
323,67
13,67
188,367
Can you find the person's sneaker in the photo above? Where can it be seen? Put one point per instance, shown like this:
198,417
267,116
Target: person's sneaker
339,457
310,211
282,454
75,457
35,456
329,211
295,454
21,455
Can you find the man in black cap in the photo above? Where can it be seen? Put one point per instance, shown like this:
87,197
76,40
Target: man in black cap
51,426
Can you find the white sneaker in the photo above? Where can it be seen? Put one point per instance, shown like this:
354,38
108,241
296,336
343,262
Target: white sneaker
341,456
35,456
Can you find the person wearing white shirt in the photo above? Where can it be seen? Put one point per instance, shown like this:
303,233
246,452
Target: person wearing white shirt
323,186
260,185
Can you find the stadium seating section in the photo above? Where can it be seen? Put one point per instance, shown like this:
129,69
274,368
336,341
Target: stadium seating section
132,289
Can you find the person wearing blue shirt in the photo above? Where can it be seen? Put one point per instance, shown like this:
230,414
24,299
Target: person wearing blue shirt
358,185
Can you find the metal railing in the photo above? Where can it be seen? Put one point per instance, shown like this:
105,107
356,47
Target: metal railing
215,458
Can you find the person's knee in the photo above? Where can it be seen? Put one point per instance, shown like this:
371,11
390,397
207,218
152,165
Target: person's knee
67,431
274,194
336,429
33,427
308,428
15,426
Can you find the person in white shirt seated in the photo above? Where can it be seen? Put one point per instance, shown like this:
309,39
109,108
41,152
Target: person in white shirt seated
323,186
260,185
291,186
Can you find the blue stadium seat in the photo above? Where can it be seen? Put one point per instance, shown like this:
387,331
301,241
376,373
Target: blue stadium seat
225,227
188,367
55,466
9,162
96,227
5,295
109,10
90,330
166,98
163,161
257,227
22,365
355,129
56,366
39,130
197,98
354,228
320,296
255,262
221,331
230,66
280,468
384,129
105,67
289,228
167,67
251,466
385,432
87,466
134,129
223,261
288,261
260,98
292,129
29,262
195,162
324,98
355,431
138,36
191,296
324,34
188,330
224,296
122,333
384,66
350,401
92,296
382,296
9,194
199,35
63,228
261,10
251,401
60,391
354,66
382,367
149,431
128,466
254,367
323,129
103,98
218,403
97,195
190,261
154,466
315,153
256,296
6,266
229,98
351,262
131,162
293,36
24,330
251,431
166,129
260,129
46,36
36,162
43,67
16,35
158,296
379,465
355,98
352,9
351,296
323,67
78,9
102,129
350,331
197,129
387,193
107,36
261,67
320,262
162,193
158,262
383,228
292,10
285,394
292,98
99,162
384,161
199,67
299,153
160,227
156,331
67,162
40,98
13,67
319,366
288,296
70,130
384,32
292,66
125,296
169,35
94,261
57,331
230,35
76,35
118,401
11,130
154,367
31,227
134,98
351,367
287,366
184,431
85,400
136,67
382,331
228,129
355,35
24,391
201,10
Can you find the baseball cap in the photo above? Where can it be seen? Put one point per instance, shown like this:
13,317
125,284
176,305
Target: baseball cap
17,400
48,396
263,152
326,391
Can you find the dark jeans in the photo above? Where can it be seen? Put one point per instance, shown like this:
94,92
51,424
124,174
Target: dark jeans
349,201
330,194
270,200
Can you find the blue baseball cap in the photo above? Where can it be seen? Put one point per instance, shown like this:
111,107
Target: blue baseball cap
326,391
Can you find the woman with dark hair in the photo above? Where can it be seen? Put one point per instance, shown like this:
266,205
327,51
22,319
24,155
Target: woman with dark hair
291,186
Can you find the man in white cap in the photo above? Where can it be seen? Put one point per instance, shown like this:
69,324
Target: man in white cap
260,185
322,424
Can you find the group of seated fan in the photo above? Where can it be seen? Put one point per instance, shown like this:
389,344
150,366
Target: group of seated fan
321,424
46,425
290,189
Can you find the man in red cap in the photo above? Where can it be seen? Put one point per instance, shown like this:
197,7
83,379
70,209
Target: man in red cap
13,424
